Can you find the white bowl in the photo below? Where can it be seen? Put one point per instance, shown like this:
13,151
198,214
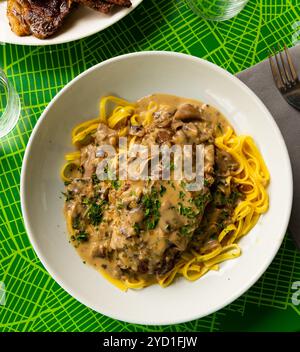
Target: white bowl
133,76
80,24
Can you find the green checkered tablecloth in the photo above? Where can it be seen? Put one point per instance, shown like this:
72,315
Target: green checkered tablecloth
34,301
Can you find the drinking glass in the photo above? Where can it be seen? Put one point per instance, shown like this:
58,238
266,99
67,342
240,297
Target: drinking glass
217,10
10,106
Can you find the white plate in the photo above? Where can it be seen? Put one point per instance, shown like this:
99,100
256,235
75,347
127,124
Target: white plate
80,24
133,76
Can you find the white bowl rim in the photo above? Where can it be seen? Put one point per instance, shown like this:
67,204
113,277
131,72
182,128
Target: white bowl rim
289,186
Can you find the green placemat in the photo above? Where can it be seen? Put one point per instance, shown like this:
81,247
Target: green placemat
34,301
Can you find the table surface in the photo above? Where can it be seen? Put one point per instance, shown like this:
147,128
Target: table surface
34,301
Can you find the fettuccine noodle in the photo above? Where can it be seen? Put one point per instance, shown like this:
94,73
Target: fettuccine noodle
251,177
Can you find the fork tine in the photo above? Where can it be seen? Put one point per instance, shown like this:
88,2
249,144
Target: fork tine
291,65
277,78
282,79
287,77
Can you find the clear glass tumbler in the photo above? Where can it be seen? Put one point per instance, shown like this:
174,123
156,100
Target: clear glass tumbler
217,10
10,106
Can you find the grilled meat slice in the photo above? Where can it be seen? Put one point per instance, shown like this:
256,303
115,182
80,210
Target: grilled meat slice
42,18
38,17
16,19
122,3
104,6
97,5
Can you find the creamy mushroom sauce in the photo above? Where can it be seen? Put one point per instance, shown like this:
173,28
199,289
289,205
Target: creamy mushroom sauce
139,229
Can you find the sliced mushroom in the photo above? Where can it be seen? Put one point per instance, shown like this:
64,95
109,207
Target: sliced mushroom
104,133
206,133
163,118
209,161
179,241
176,125
179,137
138,131
187,112
143,266
163,136
225,163
89,160
190,130
98,250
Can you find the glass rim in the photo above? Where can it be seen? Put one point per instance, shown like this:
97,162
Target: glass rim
11,112
218,17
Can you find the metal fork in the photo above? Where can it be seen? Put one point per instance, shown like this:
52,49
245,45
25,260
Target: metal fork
285,76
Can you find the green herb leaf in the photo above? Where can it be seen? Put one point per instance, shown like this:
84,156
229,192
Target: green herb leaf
95,211
205,182
137,228
186,230
82,236
116,184
151,205
76,222
162,190
69,195
186,211
95,179
181,195
201,201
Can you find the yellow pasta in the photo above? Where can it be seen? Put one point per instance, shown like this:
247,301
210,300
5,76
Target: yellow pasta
251,177
66,170
254,176
118,283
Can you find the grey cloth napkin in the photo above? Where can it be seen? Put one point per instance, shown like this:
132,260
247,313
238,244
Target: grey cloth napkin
259,79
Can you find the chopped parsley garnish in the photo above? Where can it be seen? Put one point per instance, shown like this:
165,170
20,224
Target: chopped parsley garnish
172,166
220,226
85,200
224,214
220,199
162,190
137,228
186,211
69,195
185,230
109,172
116,184
181,195
201,201
95,212
205,182
76,222
66,183
95,179
234,197
151,205
120,205
95,209
82,236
